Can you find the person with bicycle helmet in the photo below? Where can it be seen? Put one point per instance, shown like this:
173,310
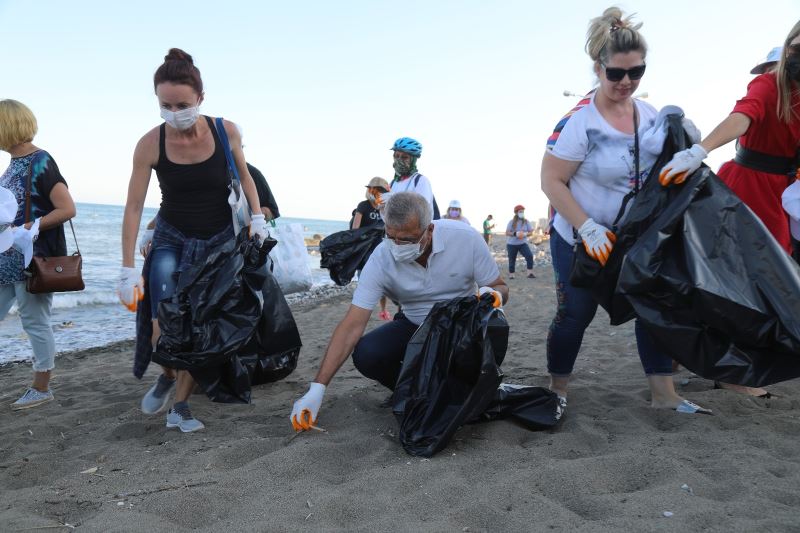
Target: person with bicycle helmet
406,177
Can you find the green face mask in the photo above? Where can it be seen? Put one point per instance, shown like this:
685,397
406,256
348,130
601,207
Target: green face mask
405,168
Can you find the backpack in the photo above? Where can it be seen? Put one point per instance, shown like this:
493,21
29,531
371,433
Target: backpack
435,206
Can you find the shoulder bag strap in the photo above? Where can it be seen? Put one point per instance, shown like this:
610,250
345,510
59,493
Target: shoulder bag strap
74,237
637,177
28,186
226,146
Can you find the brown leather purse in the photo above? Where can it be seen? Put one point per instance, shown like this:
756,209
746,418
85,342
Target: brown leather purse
53,274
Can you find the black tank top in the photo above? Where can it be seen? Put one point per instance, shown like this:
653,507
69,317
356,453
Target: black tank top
194,197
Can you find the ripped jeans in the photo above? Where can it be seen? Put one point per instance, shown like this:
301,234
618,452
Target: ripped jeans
575,310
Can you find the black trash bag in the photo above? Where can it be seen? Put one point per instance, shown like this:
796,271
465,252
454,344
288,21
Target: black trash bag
451,374
216,312
272,352
715,289
533,407
344,252
645,207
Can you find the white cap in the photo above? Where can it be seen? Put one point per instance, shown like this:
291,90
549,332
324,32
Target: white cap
791,204
455,204
773,57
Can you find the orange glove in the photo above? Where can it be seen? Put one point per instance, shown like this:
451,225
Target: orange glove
130,288
682,164
306,409
598,240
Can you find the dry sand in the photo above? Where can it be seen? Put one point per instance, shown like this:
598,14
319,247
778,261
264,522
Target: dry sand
613,464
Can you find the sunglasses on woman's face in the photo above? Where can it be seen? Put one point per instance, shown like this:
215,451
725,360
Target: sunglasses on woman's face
616,74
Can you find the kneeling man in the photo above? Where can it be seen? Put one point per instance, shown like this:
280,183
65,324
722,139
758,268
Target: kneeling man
419,263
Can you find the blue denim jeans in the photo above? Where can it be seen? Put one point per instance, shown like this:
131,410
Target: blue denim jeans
523,249
34,312
379,354
163,277
574,312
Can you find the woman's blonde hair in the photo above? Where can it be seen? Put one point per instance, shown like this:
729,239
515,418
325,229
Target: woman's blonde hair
611,34
786,87
17,124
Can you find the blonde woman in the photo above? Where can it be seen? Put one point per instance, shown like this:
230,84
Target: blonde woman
51,205
596,155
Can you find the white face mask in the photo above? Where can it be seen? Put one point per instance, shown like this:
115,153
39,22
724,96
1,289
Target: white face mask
405,253
183,119
520,214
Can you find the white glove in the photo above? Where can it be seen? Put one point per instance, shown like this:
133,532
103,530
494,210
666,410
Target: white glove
520,235
682,164
498,298
145,241
130,288
598,240
382,198
305,410
24,239
258,227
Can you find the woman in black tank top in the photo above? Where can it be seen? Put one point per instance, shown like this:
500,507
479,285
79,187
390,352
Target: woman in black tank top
190,163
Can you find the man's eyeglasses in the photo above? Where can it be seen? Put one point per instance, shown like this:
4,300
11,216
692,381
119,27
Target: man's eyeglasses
404,241
616,74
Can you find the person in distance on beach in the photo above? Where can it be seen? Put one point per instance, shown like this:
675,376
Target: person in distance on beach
454,212
518,230
596,154
187,154
42,214
419,263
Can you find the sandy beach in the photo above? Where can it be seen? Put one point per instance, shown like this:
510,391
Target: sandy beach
91,460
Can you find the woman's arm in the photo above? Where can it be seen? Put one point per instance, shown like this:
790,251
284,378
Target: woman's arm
357,220
64,208
248,185
556,174
733,127
143,162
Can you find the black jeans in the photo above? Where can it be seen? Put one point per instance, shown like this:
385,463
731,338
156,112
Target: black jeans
379,354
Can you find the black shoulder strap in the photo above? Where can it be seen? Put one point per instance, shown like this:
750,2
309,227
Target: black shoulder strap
637,178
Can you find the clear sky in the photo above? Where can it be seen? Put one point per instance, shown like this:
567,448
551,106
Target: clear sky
323,88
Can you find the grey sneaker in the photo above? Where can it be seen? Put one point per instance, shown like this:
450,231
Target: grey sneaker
184,421
31,398
157,397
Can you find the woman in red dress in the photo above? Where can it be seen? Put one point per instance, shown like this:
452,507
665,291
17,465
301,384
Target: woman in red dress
767,124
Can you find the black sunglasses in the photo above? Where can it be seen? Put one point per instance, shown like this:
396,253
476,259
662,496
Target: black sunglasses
616,74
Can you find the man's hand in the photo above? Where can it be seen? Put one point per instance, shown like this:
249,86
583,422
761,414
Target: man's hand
130,288
306,409
498,298
682,164
598,240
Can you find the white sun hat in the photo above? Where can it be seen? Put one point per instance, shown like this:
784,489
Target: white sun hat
773,57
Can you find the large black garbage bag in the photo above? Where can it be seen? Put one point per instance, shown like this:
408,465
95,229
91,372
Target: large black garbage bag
644,209
532,407
344,252
715,289
216,312
272,352
451,374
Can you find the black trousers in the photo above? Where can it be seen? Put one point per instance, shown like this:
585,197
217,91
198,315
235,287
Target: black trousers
379,354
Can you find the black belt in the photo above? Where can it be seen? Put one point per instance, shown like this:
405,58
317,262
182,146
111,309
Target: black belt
771,164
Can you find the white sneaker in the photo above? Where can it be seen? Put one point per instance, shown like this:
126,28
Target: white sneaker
31,398
185,424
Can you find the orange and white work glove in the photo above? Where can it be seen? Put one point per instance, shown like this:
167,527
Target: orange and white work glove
146,242
682,165
130,288
306,409
258,227
498,298
597,239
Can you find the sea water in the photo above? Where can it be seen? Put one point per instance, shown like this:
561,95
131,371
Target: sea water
94,316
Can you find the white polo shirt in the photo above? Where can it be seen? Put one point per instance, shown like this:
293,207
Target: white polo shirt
459,263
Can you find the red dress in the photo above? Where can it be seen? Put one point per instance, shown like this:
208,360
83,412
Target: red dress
767,134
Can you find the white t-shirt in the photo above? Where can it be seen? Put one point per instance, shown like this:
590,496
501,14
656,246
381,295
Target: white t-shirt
607,171
423,186
459,263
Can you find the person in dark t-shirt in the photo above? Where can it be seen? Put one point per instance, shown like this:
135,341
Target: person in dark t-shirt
367,214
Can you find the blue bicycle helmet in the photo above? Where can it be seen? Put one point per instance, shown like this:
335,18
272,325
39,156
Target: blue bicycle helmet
408,145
